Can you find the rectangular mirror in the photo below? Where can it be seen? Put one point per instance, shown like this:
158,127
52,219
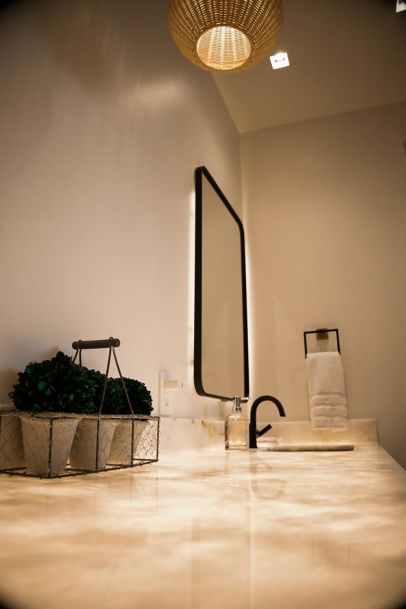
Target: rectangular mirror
221,332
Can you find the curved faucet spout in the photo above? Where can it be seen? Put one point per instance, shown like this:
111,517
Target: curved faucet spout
253,433
268,398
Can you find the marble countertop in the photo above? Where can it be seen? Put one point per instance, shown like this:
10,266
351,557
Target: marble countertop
210,529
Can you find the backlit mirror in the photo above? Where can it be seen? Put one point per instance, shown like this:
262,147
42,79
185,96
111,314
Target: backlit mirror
221,334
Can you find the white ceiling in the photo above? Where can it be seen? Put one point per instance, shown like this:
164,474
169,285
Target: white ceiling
345,55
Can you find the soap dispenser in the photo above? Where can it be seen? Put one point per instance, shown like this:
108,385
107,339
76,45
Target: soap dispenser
236,428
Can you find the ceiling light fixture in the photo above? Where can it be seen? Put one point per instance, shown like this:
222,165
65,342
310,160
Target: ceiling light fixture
225,35
279,60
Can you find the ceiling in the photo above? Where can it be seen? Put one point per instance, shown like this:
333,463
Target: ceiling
345,55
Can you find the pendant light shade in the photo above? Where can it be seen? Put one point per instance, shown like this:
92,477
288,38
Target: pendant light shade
225,35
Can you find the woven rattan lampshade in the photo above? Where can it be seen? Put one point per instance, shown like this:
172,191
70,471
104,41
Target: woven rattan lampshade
225,35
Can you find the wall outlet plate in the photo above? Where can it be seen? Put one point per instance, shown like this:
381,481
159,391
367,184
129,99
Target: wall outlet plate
167,386
164,395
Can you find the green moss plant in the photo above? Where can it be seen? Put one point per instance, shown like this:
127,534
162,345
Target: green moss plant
58,385
54,385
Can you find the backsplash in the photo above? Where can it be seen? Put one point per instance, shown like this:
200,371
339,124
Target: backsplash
197,434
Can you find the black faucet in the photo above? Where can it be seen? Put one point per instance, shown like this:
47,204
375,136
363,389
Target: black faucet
253,433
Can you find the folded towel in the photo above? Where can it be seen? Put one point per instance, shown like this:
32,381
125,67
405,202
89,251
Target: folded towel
324,399
329,411
327,395
329,422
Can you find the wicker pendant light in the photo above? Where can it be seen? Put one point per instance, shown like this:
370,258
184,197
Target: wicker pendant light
225,35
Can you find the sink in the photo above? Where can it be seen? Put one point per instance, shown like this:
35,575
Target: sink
306,447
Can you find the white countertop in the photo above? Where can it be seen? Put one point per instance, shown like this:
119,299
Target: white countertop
210,529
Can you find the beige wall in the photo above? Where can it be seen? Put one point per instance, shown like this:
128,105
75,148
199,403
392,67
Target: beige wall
325,212
102,123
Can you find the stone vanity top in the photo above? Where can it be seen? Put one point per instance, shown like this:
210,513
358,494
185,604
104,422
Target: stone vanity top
210,529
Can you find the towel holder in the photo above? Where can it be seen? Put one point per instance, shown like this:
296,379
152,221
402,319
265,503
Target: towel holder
320,332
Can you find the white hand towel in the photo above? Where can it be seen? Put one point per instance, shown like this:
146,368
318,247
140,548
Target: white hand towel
327,396
329,411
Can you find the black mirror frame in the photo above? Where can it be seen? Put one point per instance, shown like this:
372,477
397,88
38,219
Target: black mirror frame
197,368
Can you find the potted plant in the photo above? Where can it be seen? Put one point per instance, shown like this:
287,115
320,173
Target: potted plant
108,435
51,396
130,432
92,442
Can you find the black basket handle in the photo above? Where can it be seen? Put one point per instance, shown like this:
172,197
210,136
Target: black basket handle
96,344
110,344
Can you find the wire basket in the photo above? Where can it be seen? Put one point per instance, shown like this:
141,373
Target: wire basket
53,445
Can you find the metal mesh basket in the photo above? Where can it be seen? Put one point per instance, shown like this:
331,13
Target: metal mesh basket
53,445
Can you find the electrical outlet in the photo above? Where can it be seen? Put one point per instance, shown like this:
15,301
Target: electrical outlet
164,396
166,388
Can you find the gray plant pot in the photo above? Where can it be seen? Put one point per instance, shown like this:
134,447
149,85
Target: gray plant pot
120,453
47,441
93,438
11,442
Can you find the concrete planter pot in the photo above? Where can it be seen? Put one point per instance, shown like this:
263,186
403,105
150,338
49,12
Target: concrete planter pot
128,435
11,442
92,443
47,441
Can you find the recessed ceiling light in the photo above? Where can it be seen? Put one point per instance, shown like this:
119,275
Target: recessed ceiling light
400,6
279,60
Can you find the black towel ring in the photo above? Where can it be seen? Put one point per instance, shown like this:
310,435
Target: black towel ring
320,332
